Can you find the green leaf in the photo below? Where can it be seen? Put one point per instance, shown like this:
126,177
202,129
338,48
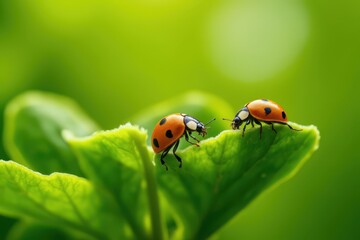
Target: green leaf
124,195
26,230
227,172
33,125
119,162
217,180
62,200
6,224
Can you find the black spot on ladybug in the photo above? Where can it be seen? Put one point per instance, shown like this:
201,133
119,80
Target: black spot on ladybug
169,134
283,115
162,121
155,142
264,100
267,110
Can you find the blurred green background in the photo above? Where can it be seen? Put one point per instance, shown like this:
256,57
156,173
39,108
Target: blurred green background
117,58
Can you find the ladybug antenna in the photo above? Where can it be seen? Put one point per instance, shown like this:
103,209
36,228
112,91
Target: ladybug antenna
209,121
227,119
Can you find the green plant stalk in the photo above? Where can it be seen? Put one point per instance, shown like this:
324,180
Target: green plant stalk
151,189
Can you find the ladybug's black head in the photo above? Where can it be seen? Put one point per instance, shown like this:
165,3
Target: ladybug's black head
193,124
201,129
236,122
240,117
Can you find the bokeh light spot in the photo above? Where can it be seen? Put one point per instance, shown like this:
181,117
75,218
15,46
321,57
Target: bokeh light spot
254,40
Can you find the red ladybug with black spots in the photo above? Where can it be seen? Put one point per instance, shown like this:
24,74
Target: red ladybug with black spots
170,129
258,111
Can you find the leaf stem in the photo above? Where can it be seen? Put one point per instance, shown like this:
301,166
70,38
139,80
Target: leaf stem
151,190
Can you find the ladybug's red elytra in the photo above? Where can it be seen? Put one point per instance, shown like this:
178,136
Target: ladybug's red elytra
170,129
260,110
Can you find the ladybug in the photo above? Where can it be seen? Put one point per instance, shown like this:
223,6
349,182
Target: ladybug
260,110
170,129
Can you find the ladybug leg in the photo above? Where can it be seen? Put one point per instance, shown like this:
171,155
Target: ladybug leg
292,127
243,132
252,123
174,150
259,123
190,134
163,155
272,127
244,128
187,138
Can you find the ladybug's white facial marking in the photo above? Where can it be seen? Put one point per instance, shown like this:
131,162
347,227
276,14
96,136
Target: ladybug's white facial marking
243,115
192,125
